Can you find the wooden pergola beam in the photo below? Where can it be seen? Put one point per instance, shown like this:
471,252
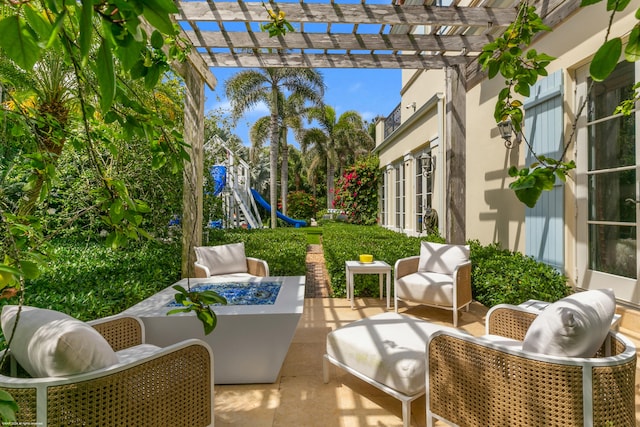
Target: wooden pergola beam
293,60
348,13
392,42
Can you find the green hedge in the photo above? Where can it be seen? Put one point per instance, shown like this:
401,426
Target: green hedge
284,249
88,280
497,275
342,242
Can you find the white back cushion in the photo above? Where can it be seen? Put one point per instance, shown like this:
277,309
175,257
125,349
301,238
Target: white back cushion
223,259
441,258
575,326
48,343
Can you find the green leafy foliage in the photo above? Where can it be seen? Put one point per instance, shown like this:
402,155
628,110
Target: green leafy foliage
511,56
356,191
88,280
531,182
200,303
301,205
605,59
8,407
284,249
506,55
342,242
500,276
278,25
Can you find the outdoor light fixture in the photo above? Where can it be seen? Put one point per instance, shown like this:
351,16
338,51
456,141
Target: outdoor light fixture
427,164
506,132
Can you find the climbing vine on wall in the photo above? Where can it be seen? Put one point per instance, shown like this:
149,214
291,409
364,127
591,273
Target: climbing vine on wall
511,57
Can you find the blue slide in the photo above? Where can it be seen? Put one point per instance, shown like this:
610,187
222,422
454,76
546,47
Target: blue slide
297,223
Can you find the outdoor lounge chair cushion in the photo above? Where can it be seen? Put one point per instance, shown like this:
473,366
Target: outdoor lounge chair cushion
223,259
441,258
48,343
388,348
437,288
575,326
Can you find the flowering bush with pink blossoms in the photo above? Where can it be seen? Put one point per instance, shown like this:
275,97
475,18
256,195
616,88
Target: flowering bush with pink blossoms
356,192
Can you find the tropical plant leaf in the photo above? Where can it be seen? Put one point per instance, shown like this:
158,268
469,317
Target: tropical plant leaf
86,29
18,42
106,76
159,18
632,50
617,5
605,59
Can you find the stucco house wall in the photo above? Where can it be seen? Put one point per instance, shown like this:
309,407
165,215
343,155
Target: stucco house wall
493,214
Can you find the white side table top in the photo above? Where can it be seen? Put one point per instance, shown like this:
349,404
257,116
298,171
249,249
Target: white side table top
375,265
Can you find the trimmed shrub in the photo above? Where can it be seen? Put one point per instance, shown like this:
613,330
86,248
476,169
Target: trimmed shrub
343,242
500,276
284,249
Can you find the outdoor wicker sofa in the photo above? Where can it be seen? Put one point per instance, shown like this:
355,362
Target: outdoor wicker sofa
148,386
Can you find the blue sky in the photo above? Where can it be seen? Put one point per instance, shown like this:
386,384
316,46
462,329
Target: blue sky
371,92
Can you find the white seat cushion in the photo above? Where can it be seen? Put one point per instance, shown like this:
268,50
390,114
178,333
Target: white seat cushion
430,288
388,348
441,258
223,259
48,343
575,326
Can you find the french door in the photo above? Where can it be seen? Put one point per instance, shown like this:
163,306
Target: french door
607,185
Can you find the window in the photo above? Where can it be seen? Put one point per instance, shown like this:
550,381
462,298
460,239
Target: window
383,200
399,205
424,189
611,177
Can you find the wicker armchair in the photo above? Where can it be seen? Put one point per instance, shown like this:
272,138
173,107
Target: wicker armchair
448,286
491,382
228,260
171,386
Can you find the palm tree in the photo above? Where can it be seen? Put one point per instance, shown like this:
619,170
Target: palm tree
50,90
292,109
248,88
335,141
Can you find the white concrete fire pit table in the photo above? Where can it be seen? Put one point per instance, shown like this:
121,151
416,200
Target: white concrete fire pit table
249,343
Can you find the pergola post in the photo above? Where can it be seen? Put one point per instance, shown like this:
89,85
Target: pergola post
193,169
455,140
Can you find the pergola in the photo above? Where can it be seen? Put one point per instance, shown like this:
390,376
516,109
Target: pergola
406,34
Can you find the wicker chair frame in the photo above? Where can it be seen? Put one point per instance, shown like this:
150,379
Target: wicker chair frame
473,381
255,267
172,387
462,296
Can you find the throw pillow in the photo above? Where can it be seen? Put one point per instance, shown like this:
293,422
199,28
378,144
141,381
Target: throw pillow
575,326
441,258
48,343
223,259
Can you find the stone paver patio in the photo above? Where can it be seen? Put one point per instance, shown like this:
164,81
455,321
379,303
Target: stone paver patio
300,398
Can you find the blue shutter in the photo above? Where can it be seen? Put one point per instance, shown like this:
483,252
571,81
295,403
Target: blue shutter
543,127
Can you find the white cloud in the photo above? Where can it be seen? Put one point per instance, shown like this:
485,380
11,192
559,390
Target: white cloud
355,87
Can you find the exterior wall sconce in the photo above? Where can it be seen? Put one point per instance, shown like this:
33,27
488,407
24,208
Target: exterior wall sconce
506,132
428,163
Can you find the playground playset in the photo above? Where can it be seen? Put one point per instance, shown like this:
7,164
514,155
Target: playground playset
232,183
